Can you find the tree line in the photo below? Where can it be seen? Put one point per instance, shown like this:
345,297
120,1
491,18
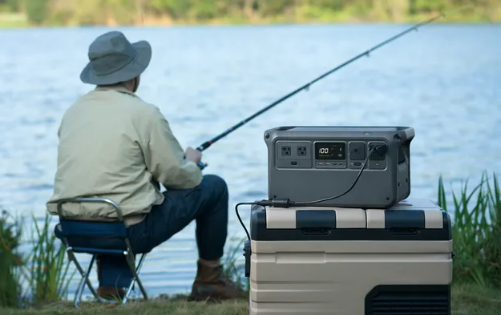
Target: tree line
120,12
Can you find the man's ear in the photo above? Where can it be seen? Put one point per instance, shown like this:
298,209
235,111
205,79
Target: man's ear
137,81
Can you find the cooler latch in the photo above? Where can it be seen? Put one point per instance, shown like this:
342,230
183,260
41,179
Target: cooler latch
247,254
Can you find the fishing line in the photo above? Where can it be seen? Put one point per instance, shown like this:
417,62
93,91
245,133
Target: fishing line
367,53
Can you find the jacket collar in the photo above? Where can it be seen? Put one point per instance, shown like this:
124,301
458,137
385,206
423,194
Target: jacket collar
118,88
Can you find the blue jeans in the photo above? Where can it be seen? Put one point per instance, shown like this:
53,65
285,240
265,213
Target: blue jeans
207,204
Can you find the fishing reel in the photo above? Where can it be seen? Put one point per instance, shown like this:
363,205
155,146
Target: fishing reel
201,165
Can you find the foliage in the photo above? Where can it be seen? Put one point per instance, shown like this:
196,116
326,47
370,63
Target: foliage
10,236
48,270
476,230
113,12
234,270
45,269
37,11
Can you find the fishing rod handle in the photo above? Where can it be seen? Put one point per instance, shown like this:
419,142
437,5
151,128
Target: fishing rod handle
201,165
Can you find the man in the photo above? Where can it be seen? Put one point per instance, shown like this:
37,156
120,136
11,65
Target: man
114,145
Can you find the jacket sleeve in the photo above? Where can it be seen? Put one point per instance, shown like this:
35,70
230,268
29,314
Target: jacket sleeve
164,156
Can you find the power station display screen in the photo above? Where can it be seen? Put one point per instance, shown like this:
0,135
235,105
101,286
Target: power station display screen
330,151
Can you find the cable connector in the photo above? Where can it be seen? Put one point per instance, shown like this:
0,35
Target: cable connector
380,149
279,203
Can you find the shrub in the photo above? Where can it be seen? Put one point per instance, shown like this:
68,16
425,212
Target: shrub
10,237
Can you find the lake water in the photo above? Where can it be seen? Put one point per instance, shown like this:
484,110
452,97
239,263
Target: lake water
444,80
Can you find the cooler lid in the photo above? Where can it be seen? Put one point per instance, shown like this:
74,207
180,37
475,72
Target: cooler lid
414,219
410,213
312,217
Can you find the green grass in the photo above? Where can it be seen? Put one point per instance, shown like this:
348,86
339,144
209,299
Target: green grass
9,25
466,300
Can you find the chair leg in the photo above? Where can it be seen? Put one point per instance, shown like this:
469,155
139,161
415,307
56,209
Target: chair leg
80,284
135,271
85,280
80,269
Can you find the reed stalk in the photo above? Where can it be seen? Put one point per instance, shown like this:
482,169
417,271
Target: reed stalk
231,267
10,260
47,274
476,231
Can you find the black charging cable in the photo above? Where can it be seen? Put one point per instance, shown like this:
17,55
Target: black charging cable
240,219
286,203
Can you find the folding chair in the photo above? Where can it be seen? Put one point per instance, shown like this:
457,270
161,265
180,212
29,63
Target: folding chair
116,230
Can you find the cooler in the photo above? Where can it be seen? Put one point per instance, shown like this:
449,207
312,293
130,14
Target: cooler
344,261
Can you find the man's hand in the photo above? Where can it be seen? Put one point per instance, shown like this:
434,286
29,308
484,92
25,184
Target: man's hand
193,155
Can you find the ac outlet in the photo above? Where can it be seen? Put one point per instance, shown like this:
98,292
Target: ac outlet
377,155
293,154
301,150
286,151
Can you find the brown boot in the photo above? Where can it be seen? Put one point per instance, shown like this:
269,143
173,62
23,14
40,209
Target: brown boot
211,284
111,293
106,292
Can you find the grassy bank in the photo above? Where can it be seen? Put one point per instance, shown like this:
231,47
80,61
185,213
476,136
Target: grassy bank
466,300
476,223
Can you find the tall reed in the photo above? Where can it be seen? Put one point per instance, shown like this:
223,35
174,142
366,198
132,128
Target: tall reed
476,231
10,260
232,269
48,272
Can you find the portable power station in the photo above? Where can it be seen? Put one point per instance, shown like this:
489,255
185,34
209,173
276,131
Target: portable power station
331,166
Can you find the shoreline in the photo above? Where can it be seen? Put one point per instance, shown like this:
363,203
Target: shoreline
229,23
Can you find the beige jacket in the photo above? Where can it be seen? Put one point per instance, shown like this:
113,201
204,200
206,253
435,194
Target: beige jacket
113,145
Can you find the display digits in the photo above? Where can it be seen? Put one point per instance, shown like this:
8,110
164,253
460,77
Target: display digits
330,150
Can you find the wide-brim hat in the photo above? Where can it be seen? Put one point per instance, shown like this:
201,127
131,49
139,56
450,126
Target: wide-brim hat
113,59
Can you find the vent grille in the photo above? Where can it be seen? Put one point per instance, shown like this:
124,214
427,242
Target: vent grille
409,304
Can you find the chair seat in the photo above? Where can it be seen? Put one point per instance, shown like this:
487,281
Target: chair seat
92,237
93,229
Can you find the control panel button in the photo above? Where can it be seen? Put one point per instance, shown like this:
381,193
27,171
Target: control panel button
331,164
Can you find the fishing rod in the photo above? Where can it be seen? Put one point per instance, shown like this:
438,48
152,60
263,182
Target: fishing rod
210,142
